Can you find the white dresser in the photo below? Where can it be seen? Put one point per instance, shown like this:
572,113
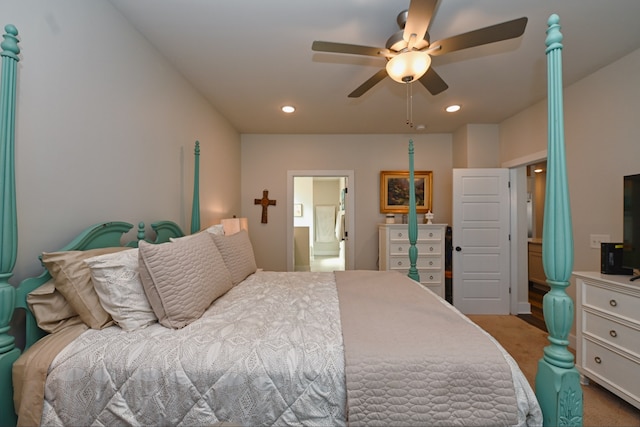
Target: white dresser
394,252
608,332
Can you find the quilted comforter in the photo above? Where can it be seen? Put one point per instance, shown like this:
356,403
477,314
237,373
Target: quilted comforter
269,352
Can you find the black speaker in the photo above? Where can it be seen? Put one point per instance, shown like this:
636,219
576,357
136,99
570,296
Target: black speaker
611,259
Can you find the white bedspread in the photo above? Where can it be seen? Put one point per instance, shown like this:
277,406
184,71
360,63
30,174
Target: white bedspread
268,352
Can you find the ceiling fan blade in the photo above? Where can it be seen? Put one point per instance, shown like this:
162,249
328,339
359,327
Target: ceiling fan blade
433,82
495,33
418,18
353,49
373,80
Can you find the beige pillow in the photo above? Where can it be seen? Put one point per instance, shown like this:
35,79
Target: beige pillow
73,280
51,309
116,280
237,253
182,279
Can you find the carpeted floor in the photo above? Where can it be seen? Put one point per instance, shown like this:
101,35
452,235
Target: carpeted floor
525,343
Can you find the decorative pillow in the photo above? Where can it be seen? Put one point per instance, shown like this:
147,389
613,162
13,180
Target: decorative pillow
214,229
73,279
116,280
237,252
182,279
51,310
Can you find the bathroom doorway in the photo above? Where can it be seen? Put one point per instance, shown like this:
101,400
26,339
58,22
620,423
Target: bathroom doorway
320,236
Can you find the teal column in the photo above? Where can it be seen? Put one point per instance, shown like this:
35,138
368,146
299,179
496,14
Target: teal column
8,218
195,208
557,382
413,220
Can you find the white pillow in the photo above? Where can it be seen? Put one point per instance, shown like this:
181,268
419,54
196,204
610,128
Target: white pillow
216,230
116,280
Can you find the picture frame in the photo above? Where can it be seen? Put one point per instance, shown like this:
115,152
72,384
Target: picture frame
394,191
297,209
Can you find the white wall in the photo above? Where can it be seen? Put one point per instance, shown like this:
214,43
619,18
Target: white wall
105,130
267,158
601,139
476,146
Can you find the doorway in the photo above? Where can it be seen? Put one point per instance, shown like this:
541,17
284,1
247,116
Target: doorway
537,280
320,230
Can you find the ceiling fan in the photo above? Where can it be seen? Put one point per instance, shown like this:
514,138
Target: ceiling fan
408,51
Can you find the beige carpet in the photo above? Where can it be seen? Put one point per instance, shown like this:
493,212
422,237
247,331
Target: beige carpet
525,343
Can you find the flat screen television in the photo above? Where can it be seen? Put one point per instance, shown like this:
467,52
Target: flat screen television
631,223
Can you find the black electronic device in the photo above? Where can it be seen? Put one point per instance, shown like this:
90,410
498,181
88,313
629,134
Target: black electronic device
631,223
611,259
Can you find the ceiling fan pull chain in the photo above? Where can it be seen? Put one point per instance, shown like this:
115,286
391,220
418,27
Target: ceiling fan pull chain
409,105
408,120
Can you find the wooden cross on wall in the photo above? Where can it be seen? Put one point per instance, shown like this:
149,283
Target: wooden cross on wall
265,202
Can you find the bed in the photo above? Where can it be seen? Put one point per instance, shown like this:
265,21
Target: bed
186,330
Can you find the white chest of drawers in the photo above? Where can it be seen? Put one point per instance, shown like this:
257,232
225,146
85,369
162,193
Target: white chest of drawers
608,333
394,252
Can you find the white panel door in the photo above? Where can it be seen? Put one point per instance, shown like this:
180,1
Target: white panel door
480,237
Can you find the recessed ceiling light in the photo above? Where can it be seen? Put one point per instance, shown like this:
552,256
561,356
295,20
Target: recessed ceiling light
452,108
288,108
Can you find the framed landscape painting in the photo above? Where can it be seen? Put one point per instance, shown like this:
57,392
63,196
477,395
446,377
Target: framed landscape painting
394,191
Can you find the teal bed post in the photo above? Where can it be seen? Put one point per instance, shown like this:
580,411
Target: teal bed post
195,208
413,220
557,382
8,218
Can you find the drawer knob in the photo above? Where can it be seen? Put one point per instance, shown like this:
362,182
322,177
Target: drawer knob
431,277
598,360
430,234
430,262
430,248
399,262
613,303
400,248
613,333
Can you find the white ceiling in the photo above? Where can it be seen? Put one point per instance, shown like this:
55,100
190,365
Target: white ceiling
248,58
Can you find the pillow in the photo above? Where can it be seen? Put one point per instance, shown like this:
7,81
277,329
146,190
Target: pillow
73,279
214,229
51,310
117,282
237,253
182,279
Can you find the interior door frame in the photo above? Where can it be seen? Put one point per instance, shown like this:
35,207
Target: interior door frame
349,245
519,238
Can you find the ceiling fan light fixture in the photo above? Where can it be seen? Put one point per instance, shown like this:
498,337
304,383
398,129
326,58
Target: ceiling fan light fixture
408,66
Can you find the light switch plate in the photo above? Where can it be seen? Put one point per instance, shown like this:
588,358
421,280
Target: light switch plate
596,239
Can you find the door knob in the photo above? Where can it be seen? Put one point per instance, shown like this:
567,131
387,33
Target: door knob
458,248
